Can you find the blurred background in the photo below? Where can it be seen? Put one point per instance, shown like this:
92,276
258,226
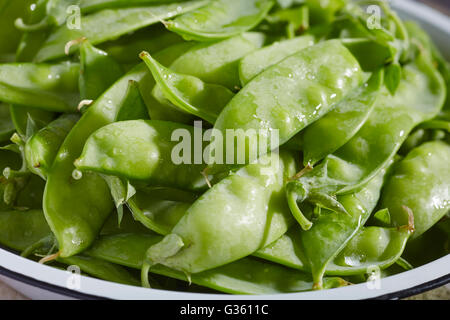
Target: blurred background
441,5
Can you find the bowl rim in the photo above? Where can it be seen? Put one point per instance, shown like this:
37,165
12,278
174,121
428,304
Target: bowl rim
408,283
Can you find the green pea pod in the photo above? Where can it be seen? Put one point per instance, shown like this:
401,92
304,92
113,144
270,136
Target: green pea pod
43,86
101,269
370,54
294,20
288,97
42,147
324,12
237,216
218,62
420,182
158,209
6,124
9,35
119,22
189,93
76,209
154,162
258,61
98,71
126,49
419,98
88,6
21,229
337,127
220,19
246,276
134,106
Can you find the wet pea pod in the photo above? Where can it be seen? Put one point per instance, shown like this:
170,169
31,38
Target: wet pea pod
189,93
220,19
255,63
419,98
78,224
237,216
335,129
109,24
42,147
157,159
420,182
289,96
246,276
88,6
51,87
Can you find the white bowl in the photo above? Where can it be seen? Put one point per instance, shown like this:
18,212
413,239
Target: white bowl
42,282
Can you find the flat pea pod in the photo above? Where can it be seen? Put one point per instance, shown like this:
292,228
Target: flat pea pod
41,149
218,62
21,229
51,87
236,217
220,19
421,182
289,96
110,24
150,143
258,61
335,129
88,6
331,231
77,209
189,93
101,269
6,124
419,98
246,276
98,71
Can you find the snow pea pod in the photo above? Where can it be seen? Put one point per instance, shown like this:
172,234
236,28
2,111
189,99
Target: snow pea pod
236,217
335,129
258,61
289,96
220,19
76,209
110,24
88,6
246,276
419,98
42,147
153,154
98,71
21,229
421,182
189,93
6,124
45,86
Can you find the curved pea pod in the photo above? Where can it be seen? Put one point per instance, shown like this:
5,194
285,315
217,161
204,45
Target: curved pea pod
6,124
288,97
236,217
21,229
42,147
98,71
156,159
118,21
335,129
419,98
160,209
420,182
189,93
51,87
370,54
77,209
218,62
258,61
101,269
220,19
246,276
372,247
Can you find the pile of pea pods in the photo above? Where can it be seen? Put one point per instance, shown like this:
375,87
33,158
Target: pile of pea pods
92,91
